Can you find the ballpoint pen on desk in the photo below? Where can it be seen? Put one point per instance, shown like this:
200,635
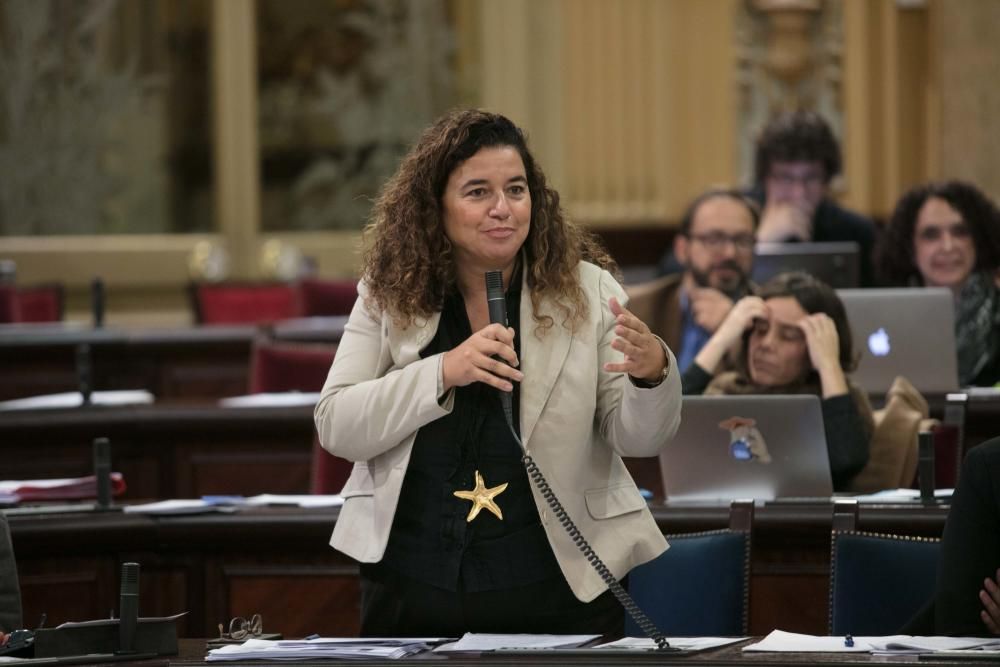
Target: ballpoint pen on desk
849,641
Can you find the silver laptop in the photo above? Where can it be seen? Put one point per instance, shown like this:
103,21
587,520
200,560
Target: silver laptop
761,447
835,263
903,331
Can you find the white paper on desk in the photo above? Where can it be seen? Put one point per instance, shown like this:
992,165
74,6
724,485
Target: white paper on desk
12,485
790,642
283,399
476,641
905,644
164,507
74,399
345,648
683,643
981,392
899,495
314,500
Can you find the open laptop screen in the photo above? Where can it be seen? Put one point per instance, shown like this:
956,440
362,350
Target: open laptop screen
762,447
835,263
908,331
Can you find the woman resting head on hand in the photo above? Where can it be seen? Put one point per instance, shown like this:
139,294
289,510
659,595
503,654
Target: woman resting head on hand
793,337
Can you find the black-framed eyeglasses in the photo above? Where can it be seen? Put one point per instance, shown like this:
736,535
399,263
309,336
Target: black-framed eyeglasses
788,179
241,628
718,240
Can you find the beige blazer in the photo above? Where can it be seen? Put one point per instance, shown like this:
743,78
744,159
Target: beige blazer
576,422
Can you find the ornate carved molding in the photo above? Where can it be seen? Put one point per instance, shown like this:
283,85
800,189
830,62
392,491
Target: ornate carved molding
789,56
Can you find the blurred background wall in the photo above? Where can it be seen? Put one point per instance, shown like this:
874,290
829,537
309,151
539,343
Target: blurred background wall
151,141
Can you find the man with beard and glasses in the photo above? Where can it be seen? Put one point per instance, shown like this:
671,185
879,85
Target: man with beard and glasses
715,248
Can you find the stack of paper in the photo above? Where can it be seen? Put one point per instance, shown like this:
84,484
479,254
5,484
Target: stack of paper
207,504
178,506
478,642
285,399
70,488
309,649
779,641
900,644
681,643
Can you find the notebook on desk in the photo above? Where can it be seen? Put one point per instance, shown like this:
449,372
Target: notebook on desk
835,263
903,331
761,447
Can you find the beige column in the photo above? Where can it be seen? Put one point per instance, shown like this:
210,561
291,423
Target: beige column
968,52
236,150
521,72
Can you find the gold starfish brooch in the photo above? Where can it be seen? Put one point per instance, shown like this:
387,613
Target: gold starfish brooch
482,497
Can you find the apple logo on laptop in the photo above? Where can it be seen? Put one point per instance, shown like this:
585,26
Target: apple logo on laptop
878,343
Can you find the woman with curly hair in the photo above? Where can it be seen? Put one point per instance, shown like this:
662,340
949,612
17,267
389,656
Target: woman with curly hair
451,534
948,235
793,337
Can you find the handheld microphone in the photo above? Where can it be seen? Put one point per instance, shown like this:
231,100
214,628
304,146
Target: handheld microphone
497,304
128,615
97,302
102,472
83,371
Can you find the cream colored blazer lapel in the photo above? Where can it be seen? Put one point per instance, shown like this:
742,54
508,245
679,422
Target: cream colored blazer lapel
541,362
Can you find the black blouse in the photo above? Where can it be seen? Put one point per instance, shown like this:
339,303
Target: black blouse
430,540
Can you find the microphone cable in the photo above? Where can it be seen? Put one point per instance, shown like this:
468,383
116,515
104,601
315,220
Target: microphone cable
538,479
497,305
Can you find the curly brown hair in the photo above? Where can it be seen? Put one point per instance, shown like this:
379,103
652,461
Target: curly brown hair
895,253
796,136
409,264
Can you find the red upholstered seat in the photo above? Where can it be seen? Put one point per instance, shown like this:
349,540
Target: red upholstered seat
35,303
10,307
40,303
328,297
947,456
300,367
289,366
244,303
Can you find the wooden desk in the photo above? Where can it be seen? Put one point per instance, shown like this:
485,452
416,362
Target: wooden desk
192,652
183,362
167,451
277,562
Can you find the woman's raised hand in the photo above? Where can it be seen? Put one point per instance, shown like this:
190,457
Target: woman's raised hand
473,360
822,340
823,344
740,318
644,356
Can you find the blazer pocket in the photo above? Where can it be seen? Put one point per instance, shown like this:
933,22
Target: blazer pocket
613,501
360,483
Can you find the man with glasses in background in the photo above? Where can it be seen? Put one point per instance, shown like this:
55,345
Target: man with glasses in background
797,157
714,247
